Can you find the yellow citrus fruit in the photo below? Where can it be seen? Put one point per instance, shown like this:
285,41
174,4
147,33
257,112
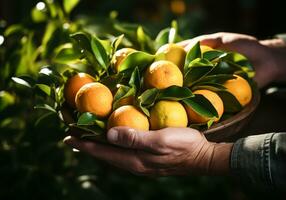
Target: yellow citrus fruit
239,88
214,99
168,114
119,56
95,98
205,48
162,74
128,116
173,53
73,85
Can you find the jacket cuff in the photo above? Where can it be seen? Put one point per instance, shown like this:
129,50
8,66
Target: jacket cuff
250,159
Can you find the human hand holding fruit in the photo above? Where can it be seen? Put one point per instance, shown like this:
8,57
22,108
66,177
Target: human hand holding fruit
169,151
266,55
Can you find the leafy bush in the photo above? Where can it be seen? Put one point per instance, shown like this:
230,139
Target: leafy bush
34,162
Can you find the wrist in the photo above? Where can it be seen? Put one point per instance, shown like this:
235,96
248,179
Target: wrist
220,160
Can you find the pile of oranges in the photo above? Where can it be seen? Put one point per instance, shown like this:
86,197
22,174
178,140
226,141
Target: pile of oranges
83,93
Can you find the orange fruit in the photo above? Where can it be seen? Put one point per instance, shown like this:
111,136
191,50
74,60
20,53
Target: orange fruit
128,116
119,56
168,114
163,74
173,53
239,88
214,99
73,85
95,98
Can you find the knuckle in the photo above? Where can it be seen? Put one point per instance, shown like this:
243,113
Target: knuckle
129,139
163,140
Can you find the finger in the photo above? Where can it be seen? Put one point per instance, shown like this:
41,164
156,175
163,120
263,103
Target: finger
184,43
132,138
212,40
122,158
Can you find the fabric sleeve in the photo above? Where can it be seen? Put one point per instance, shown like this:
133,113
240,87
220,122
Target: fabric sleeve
261,160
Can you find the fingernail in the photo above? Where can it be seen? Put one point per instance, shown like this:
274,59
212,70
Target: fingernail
112,135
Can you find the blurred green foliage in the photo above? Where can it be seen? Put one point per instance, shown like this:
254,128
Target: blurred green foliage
34,163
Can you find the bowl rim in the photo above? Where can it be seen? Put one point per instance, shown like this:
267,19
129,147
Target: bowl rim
244,113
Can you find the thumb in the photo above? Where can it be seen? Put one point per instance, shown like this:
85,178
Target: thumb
129,137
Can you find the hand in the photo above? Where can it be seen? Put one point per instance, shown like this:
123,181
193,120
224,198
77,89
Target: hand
169,151
266,57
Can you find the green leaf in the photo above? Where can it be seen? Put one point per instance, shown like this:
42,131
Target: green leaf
122,92
135,79
44,118
69,5
67,54
201,106
239,62
162,38
93,129
219,78
13,29
141,37
148,97
99,52
45,107
89,119
48,75
82,41
226,67
55,9
138,59
208,86
214,54
210,123
230,103
173,32
175,93
144,110
129,30
195,73
49,36
45,88
86,118
195,52
199,62
197,69
39,16
116,42
144,40
6,99
21,82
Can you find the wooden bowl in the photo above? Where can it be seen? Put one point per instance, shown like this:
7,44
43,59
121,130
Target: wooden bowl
226,130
